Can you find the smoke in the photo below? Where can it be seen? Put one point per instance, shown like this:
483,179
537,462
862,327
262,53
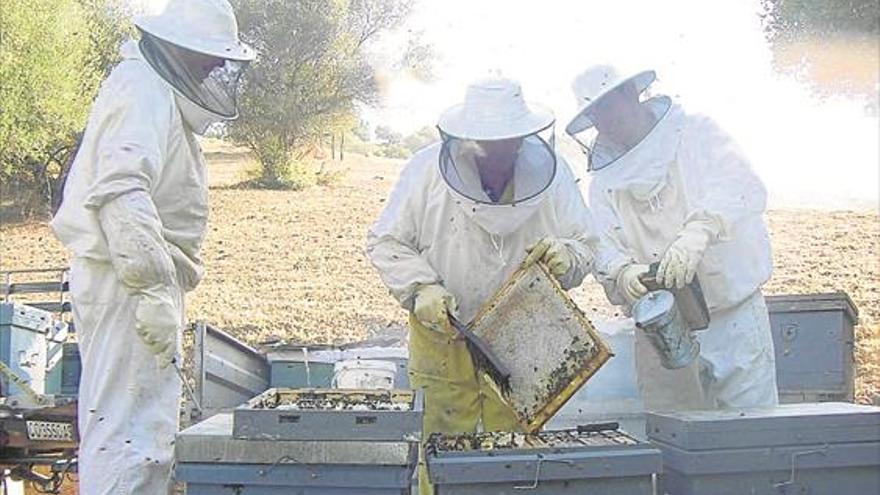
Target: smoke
713,57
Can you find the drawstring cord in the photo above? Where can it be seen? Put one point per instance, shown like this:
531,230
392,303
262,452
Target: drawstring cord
499,247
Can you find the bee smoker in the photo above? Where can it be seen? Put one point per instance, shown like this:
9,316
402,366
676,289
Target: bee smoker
669,317
658,316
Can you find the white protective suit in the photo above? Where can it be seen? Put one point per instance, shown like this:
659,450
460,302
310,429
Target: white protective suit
687,169
429,234
134,216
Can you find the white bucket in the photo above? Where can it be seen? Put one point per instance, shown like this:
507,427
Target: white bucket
364,374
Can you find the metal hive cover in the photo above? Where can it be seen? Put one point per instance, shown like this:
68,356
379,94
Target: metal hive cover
543,337
786,424
212,442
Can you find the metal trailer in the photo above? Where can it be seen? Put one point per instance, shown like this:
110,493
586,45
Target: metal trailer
818,448
213,462
40,378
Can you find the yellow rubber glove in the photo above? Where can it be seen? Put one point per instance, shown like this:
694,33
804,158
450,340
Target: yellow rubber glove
628,282
432,305
157,321
679,263
553,253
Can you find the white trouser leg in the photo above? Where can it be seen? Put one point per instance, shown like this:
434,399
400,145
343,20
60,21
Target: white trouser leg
128,407
663,389
739,365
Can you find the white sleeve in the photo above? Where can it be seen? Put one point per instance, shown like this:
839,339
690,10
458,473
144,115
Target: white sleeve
576,229
132,138
392,242
132,134
133,232
613,254
722,186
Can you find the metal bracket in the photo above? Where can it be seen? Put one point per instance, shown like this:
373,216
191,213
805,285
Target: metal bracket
541,460
792,479
285,459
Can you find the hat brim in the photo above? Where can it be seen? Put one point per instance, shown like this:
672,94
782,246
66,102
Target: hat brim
582,121
455,123
239,51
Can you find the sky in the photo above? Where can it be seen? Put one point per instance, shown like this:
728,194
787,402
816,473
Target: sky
710,56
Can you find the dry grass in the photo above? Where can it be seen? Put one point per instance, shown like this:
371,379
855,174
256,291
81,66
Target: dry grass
291,264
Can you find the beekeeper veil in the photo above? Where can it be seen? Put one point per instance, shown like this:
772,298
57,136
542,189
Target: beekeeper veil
593,90
498,155
194,46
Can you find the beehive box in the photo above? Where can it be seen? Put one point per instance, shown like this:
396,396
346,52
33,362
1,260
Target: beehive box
312,366
23,333
210,461
545,340
331,414
813,339
549,462
811,448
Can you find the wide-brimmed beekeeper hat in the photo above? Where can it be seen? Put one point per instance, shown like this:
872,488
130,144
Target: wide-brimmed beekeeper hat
494,109
596,82
203,26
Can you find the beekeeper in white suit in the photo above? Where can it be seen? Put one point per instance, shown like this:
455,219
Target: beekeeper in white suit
134,215
462,218
672,187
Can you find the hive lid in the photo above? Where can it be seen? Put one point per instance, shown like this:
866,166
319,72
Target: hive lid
544,456
835,301
788,424
545,340
211,441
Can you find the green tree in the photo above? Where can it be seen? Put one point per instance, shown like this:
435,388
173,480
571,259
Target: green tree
311,70
821,16
421,138
386,135
53,56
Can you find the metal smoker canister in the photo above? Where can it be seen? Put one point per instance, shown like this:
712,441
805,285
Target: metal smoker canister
658,316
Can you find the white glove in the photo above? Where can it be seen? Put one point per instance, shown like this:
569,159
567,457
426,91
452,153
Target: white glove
629,284
553,253
432,305
133,231
679,263
157,323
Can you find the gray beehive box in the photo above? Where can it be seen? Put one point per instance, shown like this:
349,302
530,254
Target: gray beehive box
212,462
616,464
270,416
813,339
811,448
